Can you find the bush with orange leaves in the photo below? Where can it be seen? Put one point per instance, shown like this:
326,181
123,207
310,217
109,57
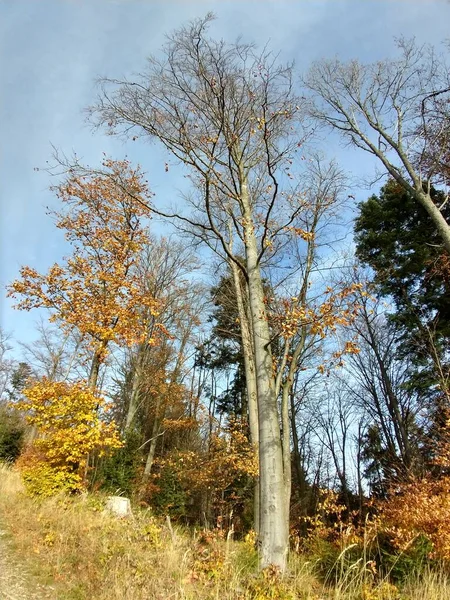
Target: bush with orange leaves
218,471
67,418
420,508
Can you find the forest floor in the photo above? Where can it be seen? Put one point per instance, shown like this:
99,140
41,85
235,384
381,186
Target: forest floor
16,582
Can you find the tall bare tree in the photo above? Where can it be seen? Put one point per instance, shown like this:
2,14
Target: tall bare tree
231,116
378,382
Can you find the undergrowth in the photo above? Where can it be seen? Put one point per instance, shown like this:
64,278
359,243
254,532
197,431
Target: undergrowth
87,553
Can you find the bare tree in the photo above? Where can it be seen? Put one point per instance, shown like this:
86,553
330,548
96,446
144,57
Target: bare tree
6,364
165,269
55,354
334,418
230,115
397,110
377,382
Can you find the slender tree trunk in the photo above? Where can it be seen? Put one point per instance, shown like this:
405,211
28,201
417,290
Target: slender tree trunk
153,441
156,429
286,439
250,380
135,393
299,470
95,365
392,401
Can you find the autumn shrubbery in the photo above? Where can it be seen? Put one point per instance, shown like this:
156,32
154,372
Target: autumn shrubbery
400,538
70,428
420,509
70,541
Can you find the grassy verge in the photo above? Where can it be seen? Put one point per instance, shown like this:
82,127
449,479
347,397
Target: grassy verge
85,553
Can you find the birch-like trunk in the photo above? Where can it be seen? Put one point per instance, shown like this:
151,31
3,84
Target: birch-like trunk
250,380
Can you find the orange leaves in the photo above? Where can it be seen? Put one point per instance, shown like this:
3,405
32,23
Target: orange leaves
420,508
229,457
338,309
351,348
98,288
307,236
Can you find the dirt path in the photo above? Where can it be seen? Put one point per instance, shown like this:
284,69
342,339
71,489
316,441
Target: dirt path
15,582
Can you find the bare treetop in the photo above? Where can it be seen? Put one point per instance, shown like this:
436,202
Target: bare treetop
390,106
397,110
225,110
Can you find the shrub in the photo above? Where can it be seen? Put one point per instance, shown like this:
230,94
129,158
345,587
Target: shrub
67,418
420,510
120,471
12,431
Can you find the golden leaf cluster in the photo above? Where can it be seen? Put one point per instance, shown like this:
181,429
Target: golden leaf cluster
420,507
229,457
98,289
69,426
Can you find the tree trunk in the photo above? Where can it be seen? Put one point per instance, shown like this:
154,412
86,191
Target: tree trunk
436,216
95,366
153,442
297,459
250,380
392,402
286,439
156,429
135,393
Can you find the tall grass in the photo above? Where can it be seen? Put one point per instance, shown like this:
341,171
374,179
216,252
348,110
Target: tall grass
86,553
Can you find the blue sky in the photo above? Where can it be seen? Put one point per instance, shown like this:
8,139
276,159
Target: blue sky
51,51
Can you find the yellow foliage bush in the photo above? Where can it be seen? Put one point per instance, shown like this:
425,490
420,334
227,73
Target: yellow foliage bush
69,427
44,480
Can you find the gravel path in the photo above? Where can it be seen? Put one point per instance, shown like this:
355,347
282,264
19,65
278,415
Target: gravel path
15,582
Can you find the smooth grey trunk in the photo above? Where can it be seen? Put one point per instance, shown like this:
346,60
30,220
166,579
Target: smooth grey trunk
250,380
274,519
286,385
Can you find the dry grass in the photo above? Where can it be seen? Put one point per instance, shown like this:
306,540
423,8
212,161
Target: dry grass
86,553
